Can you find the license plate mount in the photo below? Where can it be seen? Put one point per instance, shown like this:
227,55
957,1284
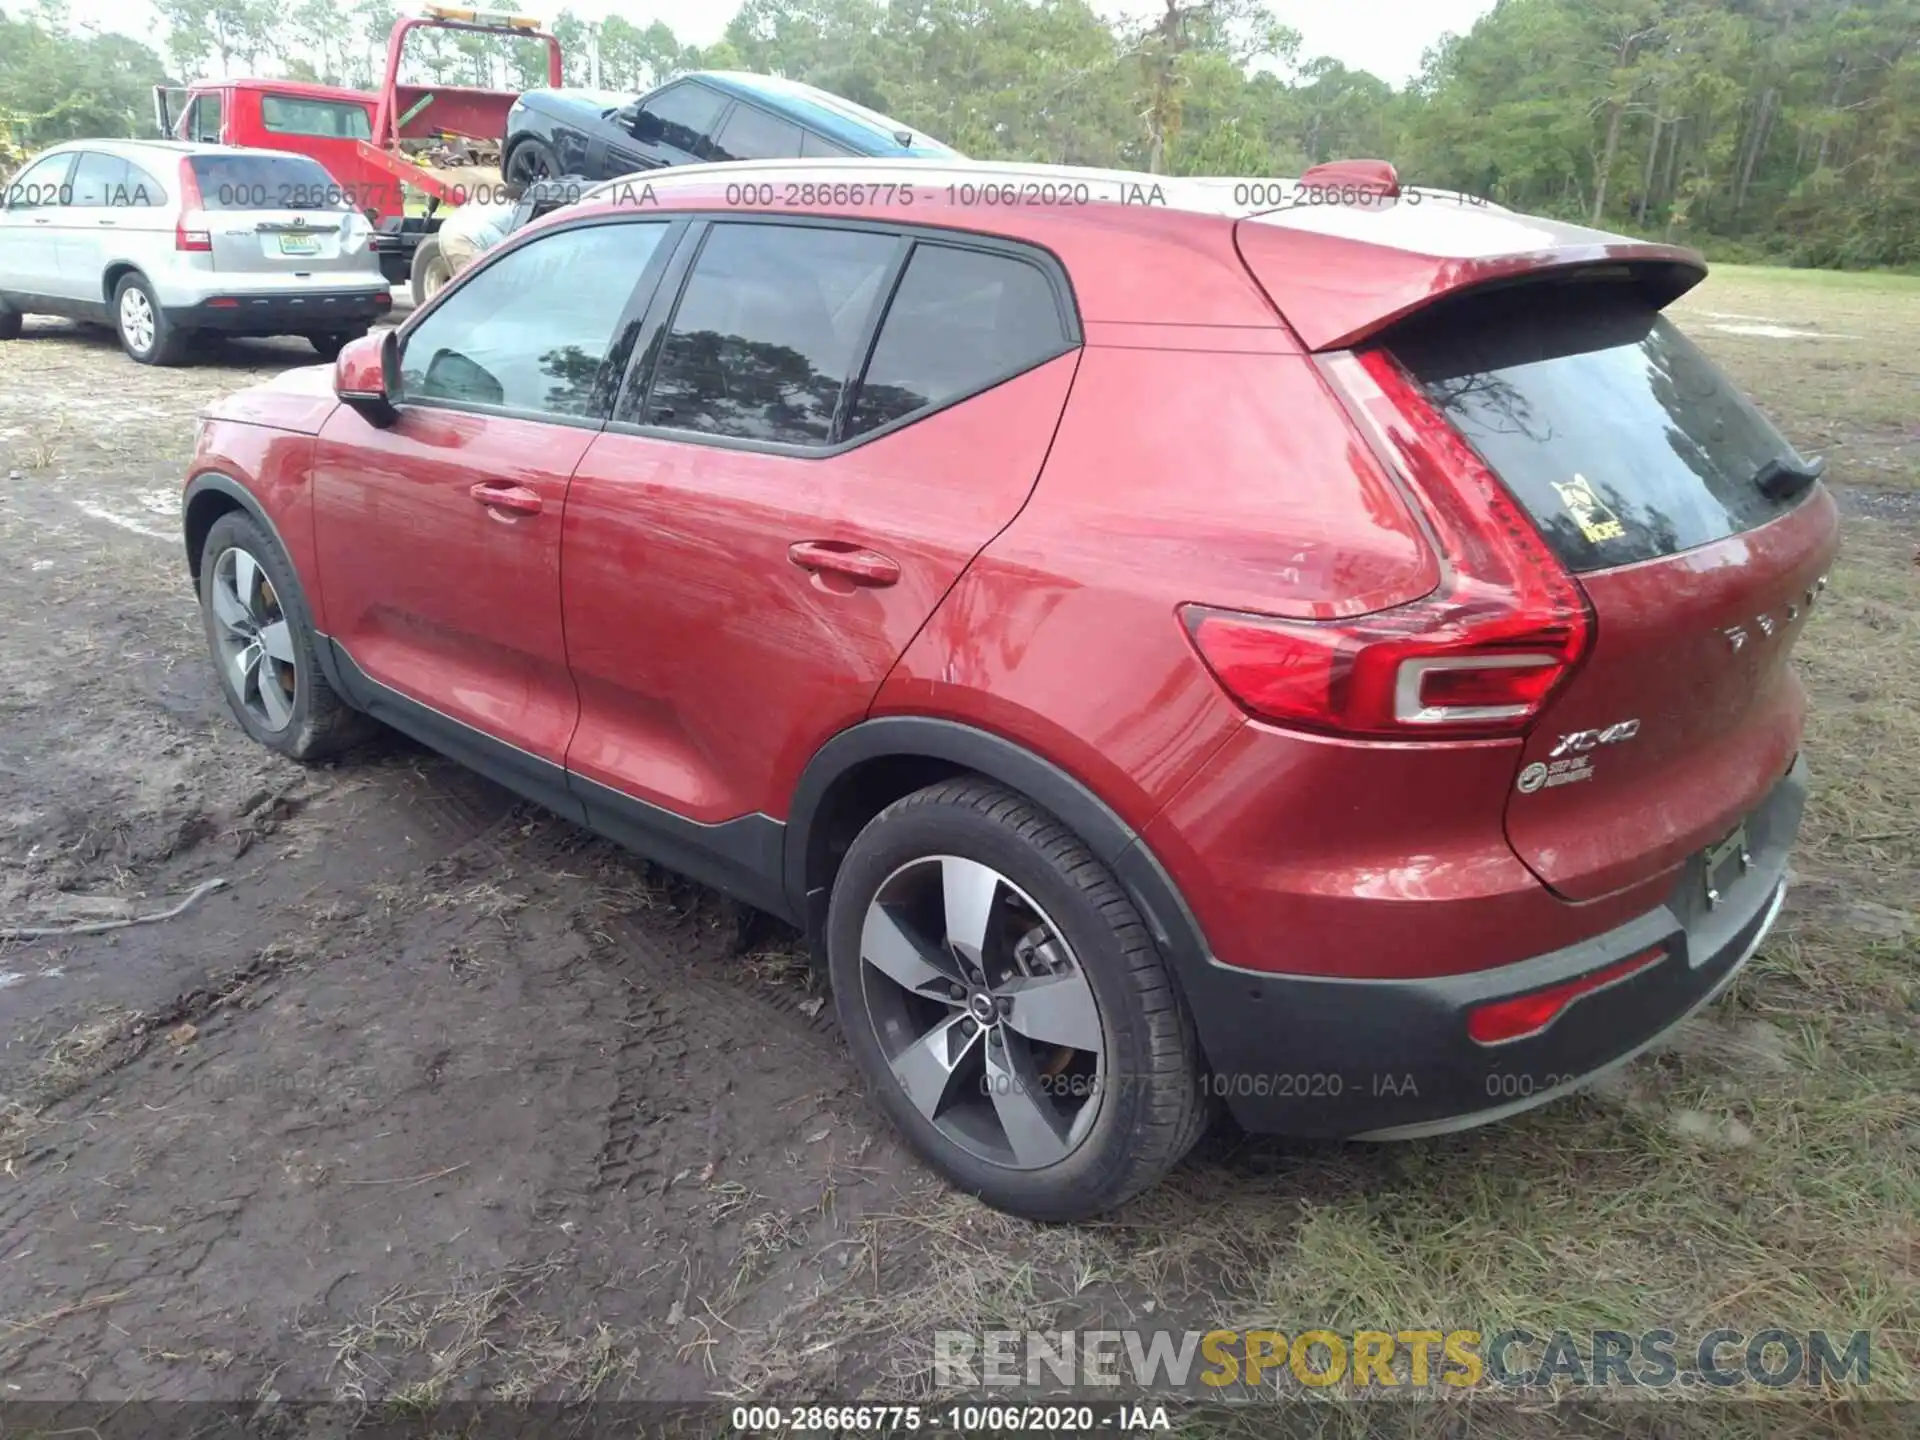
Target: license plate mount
1724,863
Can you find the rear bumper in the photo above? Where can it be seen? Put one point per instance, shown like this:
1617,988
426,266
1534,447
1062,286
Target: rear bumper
1392,1059
284,313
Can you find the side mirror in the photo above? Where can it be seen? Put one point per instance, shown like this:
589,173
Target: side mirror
645,125
363,376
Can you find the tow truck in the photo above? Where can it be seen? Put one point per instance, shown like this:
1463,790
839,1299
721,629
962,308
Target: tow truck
364,140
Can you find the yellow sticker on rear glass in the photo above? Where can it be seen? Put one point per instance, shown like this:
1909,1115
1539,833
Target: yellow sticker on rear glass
1589,511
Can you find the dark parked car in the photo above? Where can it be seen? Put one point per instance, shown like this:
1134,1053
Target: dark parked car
1330,662
706,116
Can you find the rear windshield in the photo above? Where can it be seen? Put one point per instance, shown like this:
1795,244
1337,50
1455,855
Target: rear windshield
1619,436
265,182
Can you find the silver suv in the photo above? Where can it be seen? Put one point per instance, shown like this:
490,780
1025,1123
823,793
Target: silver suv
163,240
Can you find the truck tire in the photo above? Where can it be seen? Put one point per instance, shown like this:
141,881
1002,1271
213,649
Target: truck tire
430,271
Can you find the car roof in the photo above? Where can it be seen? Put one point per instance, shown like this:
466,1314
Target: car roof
1158,249
834,116
187,148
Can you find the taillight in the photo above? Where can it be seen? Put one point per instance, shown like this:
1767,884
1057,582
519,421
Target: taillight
190,230
1524,1016
1478,658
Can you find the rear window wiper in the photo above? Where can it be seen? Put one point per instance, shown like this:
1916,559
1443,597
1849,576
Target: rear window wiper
1785,477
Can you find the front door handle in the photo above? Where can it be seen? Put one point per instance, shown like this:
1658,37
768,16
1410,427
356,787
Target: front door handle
517,498
868,567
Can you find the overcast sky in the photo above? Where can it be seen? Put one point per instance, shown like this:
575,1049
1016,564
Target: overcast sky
1384,36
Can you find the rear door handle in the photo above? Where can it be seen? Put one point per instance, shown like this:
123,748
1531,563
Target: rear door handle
868,567
517,498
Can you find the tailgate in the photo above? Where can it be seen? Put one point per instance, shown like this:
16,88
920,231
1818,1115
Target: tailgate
279,215
1641,465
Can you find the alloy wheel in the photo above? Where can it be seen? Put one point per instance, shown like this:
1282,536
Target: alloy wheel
982,1011
527,166
255,641
136,319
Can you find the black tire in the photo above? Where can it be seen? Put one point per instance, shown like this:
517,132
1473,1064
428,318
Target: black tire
10,322
1151,1104
528,161
430,271
320,723
329,344
169,343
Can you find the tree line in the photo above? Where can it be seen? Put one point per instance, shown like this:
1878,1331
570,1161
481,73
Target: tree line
1777,128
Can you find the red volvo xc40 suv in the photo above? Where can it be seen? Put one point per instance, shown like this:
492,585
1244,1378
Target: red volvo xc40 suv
1328,662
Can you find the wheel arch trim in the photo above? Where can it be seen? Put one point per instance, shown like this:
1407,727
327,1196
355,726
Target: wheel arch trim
219,483
1116,844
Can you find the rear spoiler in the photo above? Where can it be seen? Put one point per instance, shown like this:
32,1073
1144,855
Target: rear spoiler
1340,275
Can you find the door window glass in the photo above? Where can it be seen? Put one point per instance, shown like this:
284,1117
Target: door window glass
682,117
768,329
531,331
752,134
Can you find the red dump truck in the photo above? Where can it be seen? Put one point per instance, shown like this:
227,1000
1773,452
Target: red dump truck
365,140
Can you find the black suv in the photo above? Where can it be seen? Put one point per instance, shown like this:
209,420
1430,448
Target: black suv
705,116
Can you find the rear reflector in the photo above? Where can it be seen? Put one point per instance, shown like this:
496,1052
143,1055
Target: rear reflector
1525,1016
1477,659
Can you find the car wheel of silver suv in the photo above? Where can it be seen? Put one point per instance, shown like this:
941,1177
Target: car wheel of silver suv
145,332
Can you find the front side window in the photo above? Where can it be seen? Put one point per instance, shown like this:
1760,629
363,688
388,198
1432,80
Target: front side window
44,183
961,320
531,332
752,134
682,117
769,328
329,119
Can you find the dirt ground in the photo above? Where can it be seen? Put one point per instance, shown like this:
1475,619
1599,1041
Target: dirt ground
436,1096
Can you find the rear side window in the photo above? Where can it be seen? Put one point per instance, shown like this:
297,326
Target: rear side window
812,145
753,134
98,179
768,331
265,182
1622,440
961,320
329,119
107,181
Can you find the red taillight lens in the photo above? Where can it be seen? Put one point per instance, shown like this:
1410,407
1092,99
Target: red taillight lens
189,231
1525,1016
1478,658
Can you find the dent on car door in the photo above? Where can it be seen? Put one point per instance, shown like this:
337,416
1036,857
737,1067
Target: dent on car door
766,524
438,538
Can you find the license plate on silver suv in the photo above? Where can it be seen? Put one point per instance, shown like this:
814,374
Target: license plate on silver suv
299,244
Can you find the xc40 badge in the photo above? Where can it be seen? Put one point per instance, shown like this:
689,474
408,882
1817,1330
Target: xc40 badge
1572,759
